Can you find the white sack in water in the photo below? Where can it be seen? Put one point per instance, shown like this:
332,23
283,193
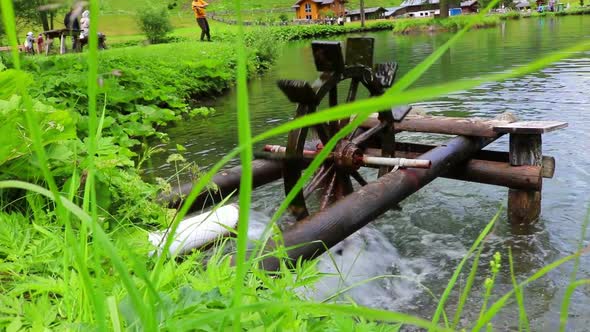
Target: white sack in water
197,231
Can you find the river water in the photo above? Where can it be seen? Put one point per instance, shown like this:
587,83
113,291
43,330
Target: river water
424,242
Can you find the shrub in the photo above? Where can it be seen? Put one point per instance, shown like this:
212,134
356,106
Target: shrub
155,23
510,15
283,17
264,46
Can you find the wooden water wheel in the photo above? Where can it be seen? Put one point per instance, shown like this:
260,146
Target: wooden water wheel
334,177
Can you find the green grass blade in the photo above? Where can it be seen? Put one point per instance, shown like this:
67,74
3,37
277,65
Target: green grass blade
380,277
35,133
114,313
566,301
567,295
581,244
467,289
10,28
92,75
455,276
523,320
102,238
495,308
199,186
315,308
246,156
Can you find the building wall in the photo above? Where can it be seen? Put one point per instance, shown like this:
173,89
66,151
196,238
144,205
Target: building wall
337,7
416,10
312,14
413,9
470,9
372,16
316,10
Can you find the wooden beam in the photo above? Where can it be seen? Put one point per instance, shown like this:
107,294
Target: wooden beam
548,162
497,173
444,125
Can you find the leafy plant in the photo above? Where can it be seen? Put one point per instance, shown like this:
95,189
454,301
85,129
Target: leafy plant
328,13
155,23
283,18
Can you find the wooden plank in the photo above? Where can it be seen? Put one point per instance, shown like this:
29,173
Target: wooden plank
530,127
445,125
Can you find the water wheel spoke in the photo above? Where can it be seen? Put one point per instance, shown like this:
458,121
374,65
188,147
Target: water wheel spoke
333,180
325,84
352,90
323,132
359,178
328,196
343,185
298,208
387,149
317,180
333,101
368,134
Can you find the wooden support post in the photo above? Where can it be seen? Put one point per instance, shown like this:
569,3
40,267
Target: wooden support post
62,44
524,206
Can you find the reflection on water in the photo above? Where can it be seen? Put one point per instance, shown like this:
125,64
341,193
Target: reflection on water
426,240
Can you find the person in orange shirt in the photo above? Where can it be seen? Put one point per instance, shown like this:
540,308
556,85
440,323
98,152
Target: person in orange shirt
199,9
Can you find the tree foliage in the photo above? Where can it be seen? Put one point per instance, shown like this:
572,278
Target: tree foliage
40,12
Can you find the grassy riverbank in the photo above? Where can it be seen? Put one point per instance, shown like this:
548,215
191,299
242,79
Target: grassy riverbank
289,33
93,270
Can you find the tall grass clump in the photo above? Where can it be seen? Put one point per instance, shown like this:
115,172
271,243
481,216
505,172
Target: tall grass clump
74,255
510,15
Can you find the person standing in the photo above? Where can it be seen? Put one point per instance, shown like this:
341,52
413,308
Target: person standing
85,23
71,22
40,41
200,15
29,42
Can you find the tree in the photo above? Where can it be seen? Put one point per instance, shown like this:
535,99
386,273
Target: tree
328,13
444,8
36,12
362,13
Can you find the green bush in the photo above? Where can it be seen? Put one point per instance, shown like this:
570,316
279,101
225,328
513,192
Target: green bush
510,15
283,17
155,23
263,46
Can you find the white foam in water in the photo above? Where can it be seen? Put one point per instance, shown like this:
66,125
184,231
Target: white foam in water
364,255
